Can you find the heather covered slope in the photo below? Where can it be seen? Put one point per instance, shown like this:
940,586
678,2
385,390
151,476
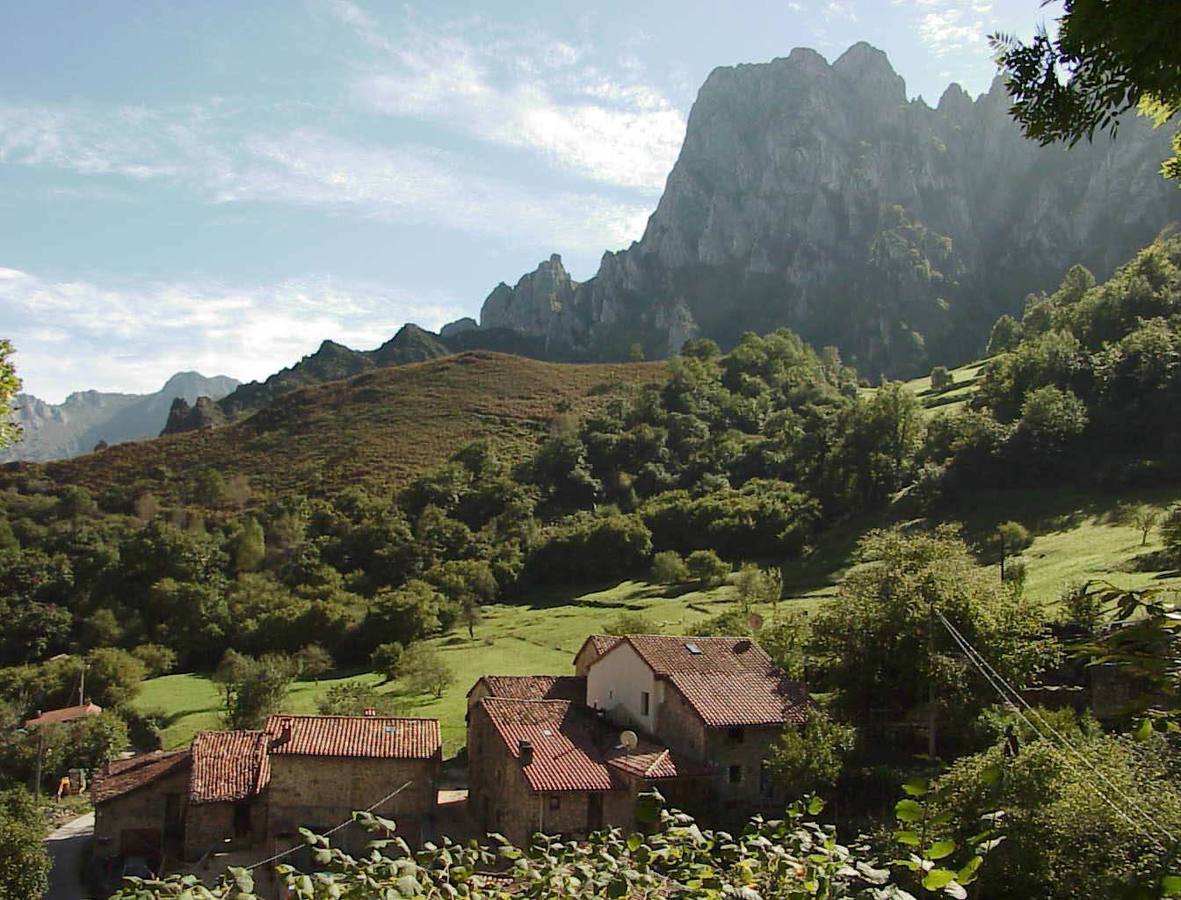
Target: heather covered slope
376,430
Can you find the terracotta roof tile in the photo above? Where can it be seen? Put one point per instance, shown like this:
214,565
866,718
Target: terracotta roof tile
229,765
744,698
65,714
536,687
379,737
700,655
603,642
575,751
122,776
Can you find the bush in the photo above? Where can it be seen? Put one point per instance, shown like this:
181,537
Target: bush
758,585
591,548
941,378
313,661
156,658
386,658
707,568
631,623
811,756
424,671
669,568
24,861
353,698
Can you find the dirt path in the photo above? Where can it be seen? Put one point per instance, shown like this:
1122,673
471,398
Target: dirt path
66,846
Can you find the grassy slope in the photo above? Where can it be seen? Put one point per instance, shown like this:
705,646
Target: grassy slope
379,429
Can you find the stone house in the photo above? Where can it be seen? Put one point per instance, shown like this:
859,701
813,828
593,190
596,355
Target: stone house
139,805
227,796
554,766
705,712
720,700
241,790
528,687
322,768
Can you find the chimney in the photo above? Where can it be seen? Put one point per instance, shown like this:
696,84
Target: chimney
370,712
525,752
284,735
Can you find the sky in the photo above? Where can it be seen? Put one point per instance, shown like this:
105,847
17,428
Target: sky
220,186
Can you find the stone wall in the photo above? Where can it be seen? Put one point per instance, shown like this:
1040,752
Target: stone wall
134,822
214,826
319,792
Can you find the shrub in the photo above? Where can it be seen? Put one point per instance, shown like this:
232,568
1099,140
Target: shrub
157,659
941,378
313,661
24,861
811,756
669,568
424,670
707,568
385,659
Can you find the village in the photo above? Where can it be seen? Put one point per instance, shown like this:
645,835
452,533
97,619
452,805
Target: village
694,717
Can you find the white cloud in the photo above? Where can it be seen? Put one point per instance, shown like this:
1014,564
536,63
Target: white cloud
307,167
132,337
531,91
948,27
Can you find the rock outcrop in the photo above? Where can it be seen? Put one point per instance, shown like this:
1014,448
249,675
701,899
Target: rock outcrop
819,197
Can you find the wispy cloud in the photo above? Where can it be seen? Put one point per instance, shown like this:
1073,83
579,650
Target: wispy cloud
212,153
126,337
533,92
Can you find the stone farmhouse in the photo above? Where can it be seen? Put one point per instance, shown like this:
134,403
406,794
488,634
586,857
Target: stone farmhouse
548,753
252,790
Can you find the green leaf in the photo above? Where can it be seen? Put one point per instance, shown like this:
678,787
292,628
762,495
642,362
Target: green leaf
634,842
941,849
937,879
815,806
908,811
967,874
1144,732
917,787
1170,886
991,775
908,837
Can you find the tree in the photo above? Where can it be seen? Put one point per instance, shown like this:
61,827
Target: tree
467,583
1005,335
758,585
669,568
941,378
9,385
113,676
313,660
1106,59
24,861
811,756
250,546
1011,539
631,623
253,689
1144,518
881,640
386,658
635,353
157,659
353,698
1170,531
707,568
424,670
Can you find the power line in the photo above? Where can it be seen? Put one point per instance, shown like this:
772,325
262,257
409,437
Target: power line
992,676
333,830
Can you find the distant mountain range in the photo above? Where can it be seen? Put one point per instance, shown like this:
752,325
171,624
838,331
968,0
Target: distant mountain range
86,418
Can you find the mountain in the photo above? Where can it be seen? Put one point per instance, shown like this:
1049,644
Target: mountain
377,429
56,431
819,197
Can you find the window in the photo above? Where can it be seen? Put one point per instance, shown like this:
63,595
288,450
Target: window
736,735
736,774
555,802
645,702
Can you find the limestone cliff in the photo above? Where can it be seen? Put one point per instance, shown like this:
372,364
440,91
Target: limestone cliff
819,197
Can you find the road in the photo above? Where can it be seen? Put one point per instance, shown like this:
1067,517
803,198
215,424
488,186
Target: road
66,846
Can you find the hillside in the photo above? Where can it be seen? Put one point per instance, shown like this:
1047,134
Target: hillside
75,426
377,429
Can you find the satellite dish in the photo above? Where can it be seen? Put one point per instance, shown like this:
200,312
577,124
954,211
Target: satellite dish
755,621
628,740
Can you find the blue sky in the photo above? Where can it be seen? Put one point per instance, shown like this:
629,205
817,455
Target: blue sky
221,185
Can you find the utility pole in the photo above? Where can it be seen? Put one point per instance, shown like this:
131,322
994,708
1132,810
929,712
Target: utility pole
82,685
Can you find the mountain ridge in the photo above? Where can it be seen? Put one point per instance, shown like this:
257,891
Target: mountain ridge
89,418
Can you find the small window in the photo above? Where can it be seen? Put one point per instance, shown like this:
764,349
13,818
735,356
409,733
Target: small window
736,735
555,803
736,774
645,702
693,649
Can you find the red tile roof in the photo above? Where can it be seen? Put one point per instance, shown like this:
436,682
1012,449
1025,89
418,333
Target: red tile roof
122,776
378,737
65,714
743,699
535,687
573,750
602,642
666,655
728,681
229,766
